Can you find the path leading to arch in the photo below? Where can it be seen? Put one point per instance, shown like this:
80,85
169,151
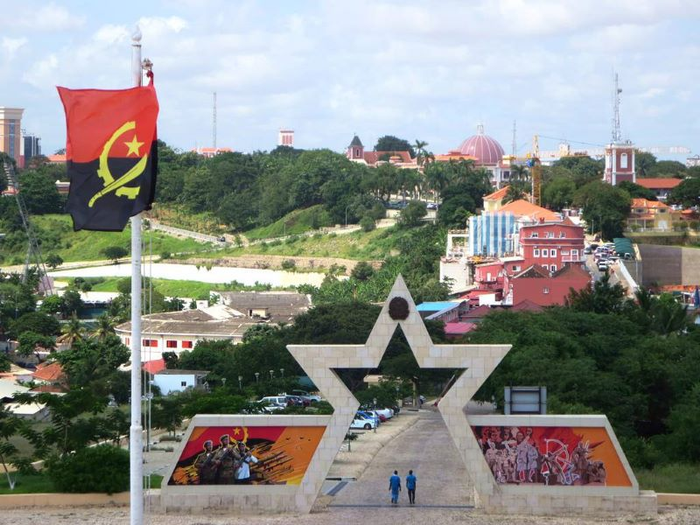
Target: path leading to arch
428,450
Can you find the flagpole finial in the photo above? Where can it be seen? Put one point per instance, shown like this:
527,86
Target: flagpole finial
136,35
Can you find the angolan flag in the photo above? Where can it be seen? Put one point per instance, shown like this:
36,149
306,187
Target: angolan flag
111,154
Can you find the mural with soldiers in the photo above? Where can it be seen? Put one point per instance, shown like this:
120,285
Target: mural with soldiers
246,456
551,456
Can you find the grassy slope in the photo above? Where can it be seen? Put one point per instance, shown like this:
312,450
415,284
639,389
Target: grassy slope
375,245
87,245
294,223
682,478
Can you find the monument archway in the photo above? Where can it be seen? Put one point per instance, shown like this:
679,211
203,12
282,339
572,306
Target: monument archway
506,474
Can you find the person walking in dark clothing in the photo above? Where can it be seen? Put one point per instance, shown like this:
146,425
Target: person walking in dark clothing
411,487
395,487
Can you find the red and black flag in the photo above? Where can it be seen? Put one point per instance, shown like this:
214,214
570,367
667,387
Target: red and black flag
111,154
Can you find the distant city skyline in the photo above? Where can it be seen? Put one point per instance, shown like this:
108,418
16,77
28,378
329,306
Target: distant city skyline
329,69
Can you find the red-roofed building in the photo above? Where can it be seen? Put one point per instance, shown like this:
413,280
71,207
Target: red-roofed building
552,244
538,285
154,366
49,373
458,329
356,153
211,152
648,215
59,158
494,201
661,187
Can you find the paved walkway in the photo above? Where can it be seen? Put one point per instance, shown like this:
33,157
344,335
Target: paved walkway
428,450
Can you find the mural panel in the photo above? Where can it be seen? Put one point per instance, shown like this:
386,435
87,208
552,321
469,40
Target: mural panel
273,455
551,455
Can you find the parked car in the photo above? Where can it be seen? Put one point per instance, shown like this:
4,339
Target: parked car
274,403
314,398
298,401
368,414
587,250
603,265
363,423
431,206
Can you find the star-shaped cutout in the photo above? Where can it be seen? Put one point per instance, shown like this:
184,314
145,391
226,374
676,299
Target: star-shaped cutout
320,362
133,146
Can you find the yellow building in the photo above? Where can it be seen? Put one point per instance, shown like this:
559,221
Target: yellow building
648,215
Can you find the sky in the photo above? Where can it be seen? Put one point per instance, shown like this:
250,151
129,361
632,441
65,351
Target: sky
428,70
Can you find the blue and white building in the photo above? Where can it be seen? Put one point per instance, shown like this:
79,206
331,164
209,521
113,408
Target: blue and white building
492,234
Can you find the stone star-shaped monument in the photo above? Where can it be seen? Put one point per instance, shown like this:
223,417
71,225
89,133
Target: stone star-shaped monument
320,361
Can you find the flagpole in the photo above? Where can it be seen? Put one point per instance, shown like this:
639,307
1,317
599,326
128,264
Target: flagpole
136,430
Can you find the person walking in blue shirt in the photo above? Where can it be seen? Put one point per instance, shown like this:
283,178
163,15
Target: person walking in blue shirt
395,487
411,487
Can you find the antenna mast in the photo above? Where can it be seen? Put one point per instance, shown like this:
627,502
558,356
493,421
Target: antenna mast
213,123
514,146
616,131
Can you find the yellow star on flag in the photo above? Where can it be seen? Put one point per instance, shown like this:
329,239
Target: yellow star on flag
133,146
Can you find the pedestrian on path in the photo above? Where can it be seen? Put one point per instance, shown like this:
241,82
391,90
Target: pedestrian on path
395,487
411,487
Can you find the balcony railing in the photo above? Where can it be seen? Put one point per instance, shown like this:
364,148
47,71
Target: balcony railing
573,258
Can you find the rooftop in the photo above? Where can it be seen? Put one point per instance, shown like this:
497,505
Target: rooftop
644,203
176,372
527,209
659,184
280,306
437,306
497,195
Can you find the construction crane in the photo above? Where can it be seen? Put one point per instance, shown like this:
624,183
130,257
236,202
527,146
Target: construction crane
535,171
33,250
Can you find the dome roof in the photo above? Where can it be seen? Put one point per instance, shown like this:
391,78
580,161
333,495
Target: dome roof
485,149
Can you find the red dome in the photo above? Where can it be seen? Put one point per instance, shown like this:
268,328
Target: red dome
486,149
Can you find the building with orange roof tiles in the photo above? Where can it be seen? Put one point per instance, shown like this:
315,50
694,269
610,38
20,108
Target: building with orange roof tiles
646,215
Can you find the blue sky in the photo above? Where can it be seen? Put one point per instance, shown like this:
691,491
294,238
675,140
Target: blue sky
328,69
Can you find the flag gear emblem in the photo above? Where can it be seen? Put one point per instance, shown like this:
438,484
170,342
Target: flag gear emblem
110,154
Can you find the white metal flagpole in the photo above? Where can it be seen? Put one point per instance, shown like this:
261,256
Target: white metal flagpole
136,430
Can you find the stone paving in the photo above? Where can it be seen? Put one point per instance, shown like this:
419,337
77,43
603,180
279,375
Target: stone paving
427,449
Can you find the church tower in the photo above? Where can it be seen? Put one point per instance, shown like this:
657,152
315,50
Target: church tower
355,151
619,154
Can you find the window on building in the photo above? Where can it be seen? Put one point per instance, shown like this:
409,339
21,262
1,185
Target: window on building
623,161
574,253
127,341
545,266
534,235
553,252
550,235
553,268
516,268
183,383
187,344
150,343
545,290
171,344
545,252
536,252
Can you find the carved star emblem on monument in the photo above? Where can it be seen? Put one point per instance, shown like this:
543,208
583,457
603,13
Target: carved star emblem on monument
399,310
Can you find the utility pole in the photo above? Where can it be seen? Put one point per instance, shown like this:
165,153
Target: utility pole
616,129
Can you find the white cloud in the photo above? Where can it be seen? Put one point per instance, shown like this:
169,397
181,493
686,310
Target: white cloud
10,46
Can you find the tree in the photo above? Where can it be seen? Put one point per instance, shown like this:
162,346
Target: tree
166,413
29,342
362,271
412,215
558,193
36,322
53,261
114,253
636,191
601,298
644,163
72,331
10,456
687,193
605,208
71,303
668,168
40,193
390,143
104,327
367,223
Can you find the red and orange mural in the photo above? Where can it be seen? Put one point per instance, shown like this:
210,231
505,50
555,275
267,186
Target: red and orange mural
246,455
552,455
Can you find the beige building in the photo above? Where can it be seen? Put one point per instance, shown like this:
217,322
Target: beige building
11,133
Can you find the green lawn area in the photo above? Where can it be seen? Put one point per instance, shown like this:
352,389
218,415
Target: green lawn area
57,236
679,477
40,483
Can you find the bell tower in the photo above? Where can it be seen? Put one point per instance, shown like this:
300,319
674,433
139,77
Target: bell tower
355,151
619,154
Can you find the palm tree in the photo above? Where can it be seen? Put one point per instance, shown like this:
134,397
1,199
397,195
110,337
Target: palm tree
72,331
421,152
519,172
104,327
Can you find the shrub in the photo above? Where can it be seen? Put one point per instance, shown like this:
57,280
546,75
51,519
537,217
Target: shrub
367,223
103,468
362,271
165,255
289,264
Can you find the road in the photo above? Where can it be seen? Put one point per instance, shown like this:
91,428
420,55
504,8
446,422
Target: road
428,450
